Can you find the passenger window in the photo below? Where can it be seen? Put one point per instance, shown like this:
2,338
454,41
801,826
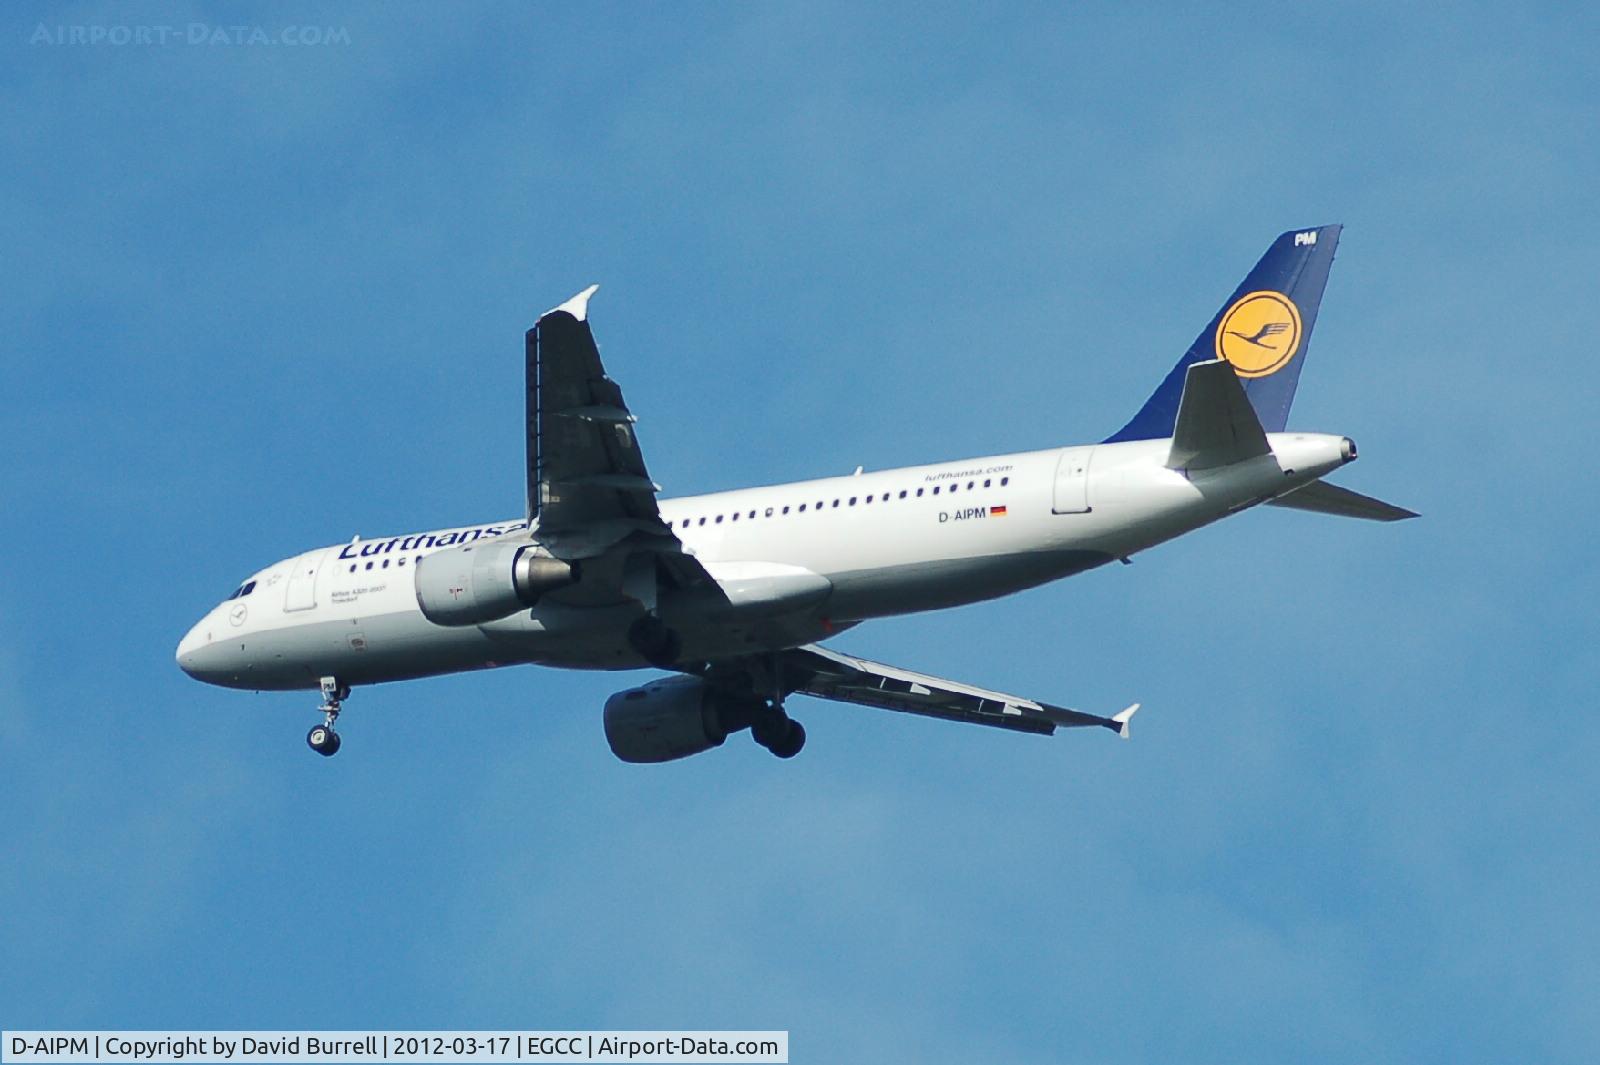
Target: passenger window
752,515
919,493
719,519
986,482
902,493
735,516
786,509
702,521
1004,481
400,561
352,567
836,503
935,489
369,565
802,508
852,501
769,511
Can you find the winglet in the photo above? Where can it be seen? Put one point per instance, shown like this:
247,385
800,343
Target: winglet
1123,718
577,306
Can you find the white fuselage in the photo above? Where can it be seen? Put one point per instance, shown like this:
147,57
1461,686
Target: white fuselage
885,543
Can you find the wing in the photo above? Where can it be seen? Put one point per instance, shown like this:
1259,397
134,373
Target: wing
814,670
588,490
584,463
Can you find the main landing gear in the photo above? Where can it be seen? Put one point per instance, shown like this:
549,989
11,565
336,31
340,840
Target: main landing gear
322,738
769,725
777,731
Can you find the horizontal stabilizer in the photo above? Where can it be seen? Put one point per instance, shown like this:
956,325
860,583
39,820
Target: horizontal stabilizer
1325,498
1216,425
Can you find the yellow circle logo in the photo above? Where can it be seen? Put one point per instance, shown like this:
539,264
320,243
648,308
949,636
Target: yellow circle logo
1259,334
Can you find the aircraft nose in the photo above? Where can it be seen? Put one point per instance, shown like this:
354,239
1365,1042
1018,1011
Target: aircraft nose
199,657
192,640
216,656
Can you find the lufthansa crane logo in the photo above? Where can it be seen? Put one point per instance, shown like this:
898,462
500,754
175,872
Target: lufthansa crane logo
1259,334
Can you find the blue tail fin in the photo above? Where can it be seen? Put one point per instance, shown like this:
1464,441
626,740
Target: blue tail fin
1263,330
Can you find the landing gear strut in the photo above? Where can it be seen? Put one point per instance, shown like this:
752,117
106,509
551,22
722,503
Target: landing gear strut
322,738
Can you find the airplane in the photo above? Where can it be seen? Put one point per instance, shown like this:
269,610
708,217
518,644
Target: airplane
733,592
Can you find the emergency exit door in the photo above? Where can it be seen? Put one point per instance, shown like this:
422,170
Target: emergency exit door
1072,481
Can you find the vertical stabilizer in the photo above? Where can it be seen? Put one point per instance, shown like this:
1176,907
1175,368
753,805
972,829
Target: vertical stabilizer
1263,331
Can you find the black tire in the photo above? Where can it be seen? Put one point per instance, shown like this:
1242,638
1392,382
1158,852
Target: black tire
323,740
769,729
792,741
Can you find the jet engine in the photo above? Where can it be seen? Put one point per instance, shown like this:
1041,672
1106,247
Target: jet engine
679,716
486,581
672,718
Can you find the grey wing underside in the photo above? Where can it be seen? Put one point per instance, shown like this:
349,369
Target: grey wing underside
589,492
584,463
826,674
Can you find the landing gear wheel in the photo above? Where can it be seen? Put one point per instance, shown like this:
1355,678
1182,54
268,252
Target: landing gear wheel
323,740
791,742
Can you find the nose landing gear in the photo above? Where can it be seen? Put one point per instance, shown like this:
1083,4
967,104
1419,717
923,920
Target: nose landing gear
322,738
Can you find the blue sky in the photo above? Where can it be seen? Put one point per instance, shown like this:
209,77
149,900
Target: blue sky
263,298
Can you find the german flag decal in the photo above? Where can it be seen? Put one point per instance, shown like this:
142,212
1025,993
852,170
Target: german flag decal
997,512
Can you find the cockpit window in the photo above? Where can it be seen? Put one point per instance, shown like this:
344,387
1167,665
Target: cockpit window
243,590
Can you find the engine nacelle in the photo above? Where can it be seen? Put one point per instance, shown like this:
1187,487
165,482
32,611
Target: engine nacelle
669,719
486,581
